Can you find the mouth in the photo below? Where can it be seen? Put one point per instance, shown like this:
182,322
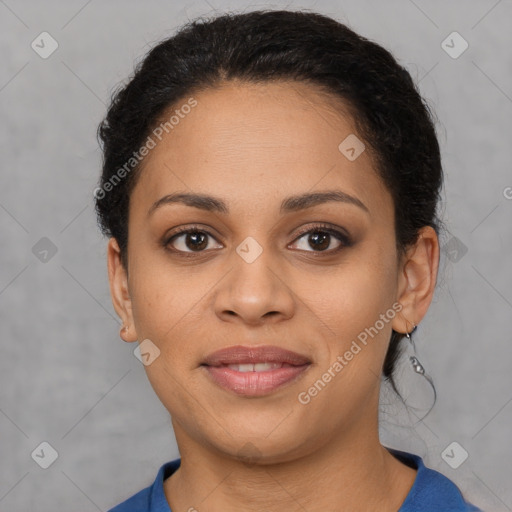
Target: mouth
241,355
254,371
256,367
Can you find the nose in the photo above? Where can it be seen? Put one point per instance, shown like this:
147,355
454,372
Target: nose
254,292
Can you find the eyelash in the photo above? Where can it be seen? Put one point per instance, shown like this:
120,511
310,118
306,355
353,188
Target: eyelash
322,228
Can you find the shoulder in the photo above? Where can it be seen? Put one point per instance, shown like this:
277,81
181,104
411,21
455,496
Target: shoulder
431,490
151,498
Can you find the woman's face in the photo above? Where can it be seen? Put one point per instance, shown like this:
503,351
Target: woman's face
264,267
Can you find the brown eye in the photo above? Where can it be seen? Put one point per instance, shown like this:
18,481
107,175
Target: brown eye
190,240
319,240
322,239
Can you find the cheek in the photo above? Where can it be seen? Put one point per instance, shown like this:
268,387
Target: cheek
347,307
167,305
356,292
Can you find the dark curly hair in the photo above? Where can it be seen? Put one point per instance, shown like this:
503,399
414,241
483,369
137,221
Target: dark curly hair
390,116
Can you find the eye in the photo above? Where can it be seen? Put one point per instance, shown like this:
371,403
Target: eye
320,239
190,239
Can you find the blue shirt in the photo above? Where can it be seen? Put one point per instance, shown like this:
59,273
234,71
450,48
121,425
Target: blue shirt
431,491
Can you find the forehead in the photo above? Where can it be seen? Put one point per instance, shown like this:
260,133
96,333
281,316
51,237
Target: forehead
242,120
245,141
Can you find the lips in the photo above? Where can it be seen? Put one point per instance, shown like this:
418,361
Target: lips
240,355
254,371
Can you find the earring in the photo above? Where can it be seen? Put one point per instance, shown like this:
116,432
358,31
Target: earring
416,365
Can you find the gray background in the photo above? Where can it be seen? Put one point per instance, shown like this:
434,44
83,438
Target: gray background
66,377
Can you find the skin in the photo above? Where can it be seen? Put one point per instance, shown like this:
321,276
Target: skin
252,146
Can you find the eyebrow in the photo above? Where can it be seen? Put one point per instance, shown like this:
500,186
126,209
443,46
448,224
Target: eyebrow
288,205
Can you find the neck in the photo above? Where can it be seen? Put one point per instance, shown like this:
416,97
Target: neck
353,473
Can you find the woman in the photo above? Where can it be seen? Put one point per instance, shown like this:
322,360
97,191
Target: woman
269,187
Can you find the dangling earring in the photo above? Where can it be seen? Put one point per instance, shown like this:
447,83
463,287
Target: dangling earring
416,365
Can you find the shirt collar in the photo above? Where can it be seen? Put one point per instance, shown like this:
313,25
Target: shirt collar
158,501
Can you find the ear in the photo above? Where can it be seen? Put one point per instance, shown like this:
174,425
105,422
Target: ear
417,280
119,291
